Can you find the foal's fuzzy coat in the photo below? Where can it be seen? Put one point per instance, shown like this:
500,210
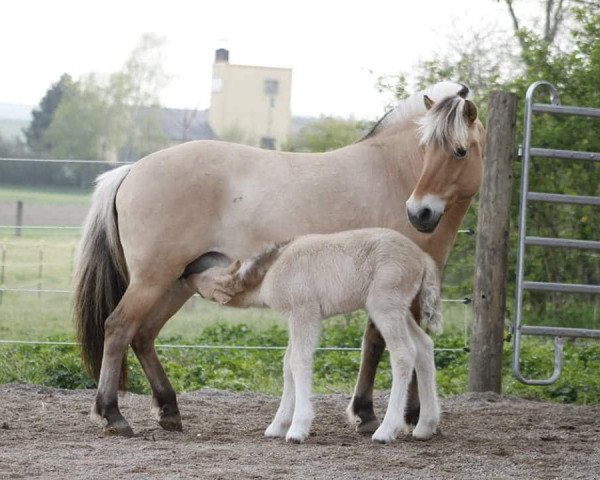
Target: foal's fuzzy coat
317,276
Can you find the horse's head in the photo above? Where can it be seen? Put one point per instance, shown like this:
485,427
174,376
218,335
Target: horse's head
452,140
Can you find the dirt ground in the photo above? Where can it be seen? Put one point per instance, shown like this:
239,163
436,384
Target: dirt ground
46,433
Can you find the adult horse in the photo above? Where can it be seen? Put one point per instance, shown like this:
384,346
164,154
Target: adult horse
208,202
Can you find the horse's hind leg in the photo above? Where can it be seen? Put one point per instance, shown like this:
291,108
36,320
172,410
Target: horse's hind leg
360,408
119,329
425,368
392,325
164,398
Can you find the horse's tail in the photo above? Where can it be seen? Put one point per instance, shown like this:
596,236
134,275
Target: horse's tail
430,298
101,277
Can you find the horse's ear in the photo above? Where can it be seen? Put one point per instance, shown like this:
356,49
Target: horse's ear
470,111
234,267
428,102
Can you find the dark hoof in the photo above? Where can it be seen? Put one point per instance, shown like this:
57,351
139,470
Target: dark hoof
411,415
368,427
171,423
120,428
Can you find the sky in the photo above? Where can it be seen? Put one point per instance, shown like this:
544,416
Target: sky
336,49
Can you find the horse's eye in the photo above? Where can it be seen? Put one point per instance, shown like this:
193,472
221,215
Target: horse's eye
460,153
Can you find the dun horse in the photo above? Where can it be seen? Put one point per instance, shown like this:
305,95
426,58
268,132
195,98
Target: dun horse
316,276
205,203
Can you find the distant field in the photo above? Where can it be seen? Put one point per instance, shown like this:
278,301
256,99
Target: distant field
53,195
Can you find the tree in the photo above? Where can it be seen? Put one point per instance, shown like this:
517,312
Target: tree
113,119
42,116
328,133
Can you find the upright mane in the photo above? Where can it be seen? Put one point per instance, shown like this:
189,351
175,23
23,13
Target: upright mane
254,269
412,106
446,123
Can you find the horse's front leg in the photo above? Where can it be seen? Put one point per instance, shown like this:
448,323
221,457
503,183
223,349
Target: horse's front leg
304,328
283,418
360,409
164,398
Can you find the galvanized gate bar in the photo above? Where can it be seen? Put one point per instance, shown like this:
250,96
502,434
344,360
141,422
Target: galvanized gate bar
527,152
564,109
560,198
560,287
560,332
562,242
564,154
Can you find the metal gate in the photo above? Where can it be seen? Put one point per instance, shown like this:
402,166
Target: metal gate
518,329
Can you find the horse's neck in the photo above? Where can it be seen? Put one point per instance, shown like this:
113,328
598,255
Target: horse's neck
441,242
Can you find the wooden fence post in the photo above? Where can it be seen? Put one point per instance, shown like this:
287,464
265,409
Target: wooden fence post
19,220
489,304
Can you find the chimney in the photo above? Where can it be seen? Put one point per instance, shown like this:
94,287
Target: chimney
222,55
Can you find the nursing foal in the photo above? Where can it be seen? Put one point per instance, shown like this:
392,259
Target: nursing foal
316,276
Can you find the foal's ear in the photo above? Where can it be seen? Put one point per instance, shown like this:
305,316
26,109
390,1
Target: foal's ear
470,111
234,267
428,102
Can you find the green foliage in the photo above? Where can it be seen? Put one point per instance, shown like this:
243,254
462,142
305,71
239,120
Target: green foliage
334,371
114,119
328,133
42,116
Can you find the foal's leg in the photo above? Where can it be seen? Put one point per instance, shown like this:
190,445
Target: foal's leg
304,336
425,368
119,330
413,405
283,418
392,325
164,399
360,409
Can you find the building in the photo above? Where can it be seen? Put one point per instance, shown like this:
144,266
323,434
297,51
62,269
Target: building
250,104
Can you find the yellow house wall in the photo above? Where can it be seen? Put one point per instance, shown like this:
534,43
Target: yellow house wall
240,110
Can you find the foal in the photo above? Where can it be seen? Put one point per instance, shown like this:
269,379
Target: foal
316,276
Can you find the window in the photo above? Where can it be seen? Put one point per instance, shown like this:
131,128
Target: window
217,84
268,143
271,87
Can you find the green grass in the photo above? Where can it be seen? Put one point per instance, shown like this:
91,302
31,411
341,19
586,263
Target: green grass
41,194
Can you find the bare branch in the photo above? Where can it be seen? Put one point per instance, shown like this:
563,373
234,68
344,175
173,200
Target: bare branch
515,21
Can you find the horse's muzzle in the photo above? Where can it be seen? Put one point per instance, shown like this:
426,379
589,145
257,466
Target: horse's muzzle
425,219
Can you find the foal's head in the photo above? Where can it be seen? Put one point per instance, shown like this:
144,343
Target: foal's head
452,140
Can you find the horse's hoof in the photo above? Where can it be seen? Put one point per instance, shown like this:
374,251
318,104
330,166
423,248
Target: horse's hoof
368,427
120,428
296,436
382,437
171,423
424,432
276,431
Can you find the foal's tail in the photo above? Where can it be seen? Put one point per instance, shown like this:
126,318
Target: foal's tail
101,276
430,299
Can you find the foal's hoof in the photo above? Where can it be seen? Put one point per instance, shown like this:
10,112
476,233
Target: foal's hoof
120,428
368,427
171,423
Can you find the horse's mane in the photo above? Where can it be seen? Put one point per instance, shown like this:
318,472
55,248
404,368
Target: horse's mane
254,269
445,124
412,106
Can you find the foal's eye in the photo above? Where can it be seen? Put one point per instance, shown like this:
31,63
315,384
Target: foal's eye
460,153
